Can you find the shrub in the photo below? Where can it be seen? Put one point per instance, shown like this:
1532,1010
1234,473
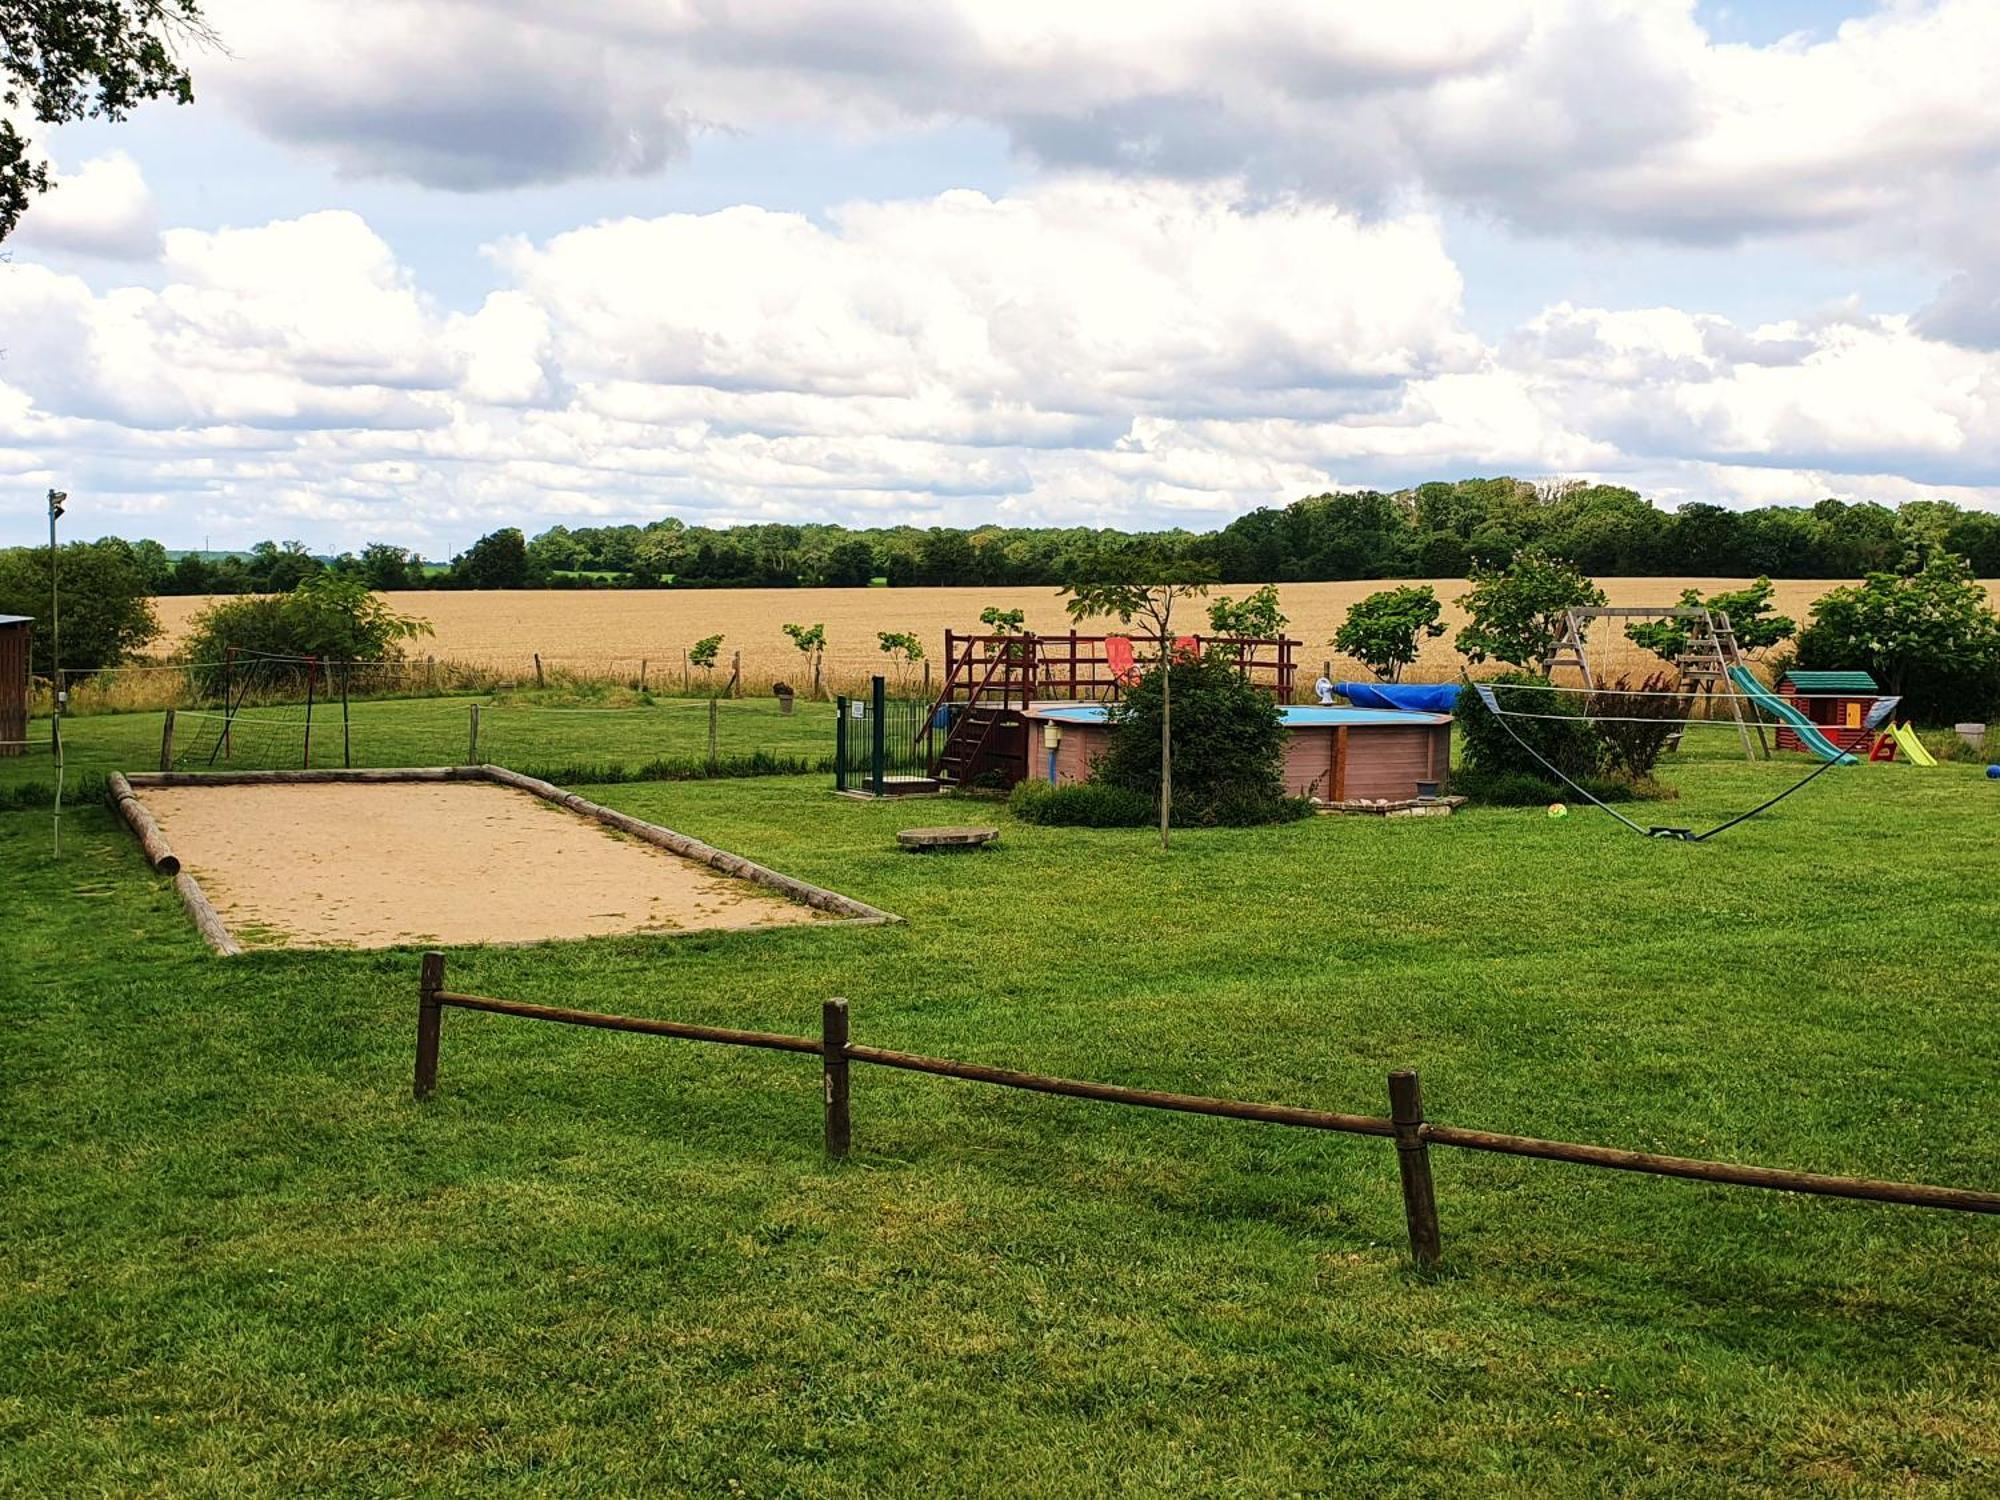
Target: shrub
1560,732
1087,804
1635,724
1386,630
1931,637
1228,744
326,616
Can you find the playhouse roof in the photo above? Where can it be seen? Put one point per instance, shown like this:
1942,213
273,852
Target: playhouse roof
16,619
1830,682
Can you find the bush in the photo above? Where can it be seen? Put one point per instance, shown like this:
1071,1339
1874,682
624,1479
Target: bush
1087,804
1228,745
1565,738
1931,637
1636,723
326,616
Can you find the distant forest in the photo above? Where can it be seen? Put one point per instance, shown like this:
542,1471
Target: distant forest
1432,531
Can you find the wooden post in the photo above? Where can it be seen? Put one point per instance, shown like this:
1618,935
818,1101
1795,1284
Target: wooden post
833,1054
816,688
538,670
1413,1157
642,674
431,673
684,674
472,737
346,740
167,742
228,679
927,679
429,1014
736,674
714,758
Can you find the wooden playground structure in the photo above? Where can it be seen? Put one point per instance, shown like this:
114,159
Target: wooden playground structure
1704,664
977,726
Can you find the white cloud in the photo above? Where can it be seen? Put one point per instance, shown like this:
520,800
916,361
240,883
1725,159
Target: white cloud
102,208
1620,116
1093,350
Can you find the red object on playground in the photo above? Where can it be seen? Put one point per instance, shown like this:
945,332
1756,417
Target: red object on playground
1118,657
1884,747
1187,647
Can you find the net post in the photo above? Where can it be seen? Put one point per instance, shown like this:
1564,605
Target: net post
167,741
714,749
833,1055
346,739
472,735
312,676
429,1016
1413,1159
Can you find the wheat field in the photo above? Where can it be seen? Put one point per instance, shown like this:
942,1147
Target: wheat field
596,633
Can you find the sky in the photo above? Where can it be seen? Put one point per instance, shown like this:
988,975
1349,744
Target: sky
412,270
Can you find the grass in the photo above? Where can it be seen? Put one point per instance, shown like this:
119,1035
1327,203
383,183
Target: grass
563,735
241,1261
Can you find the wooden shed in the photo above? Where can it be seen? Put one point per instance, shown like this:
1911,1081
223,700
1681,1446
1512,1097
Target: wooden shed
1836,701
14,683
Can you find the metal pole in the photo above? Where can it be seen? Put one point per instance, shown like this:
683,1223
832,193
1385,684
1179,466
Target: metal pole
57,499
840,743
878,733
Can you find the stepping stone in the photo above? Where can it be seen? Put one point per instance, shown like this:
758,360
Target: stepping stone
921,840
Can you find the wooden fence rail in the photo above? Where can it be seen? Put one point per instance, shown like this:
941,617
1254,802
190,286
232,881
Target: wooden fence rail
1404,1124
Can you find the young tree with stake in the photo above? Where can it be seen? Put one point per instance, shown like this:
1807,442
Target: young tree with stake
1152,601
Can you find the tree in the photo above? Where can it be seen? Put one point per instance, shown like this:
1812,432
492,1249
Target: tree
811,641
849,565
1256,615
703,653
1517,611
74,59
277,570
1750,619
1930,637
1228,740
328,617
902,648
1127,597
385,568
107,609
498,560
1003,621
1386,630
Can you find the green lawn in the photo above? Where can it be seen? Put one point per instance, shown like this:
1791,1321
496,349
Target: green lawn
240,1260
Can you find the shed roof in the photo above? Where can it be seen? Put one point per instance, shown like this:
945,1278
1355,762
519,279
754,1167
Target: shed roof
15,619
1830,682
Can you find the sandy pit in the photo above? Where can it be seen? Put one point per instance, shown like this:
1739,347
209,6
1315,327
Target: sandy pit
437,862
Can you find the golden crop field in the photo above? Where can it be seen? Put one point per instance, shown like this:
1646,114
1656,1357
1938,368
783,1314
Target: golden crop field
604,632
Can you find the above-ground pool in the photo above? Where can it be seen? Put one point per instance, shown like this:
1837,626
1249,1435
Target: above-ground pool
1334,754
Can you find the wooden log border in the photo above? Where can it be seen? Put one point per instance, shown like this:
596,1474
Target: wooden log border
122,789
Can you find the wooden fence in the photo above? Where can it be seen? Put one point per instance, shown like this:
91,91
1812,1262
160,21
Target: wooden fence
1405,1123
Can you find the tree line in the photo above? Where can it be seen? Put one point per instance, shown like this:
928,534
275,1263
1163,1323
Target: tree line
1439,530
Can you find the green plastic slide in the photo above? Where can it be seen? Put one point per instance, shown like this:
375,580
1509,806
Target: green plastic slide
1807,731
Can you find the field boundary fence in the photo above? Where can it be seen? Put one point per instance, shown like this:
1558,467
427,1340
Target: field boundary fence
1405,1124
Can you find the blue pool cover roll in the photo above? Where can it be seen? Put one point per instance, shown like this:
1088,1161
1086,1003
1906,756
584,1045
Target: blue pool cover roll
1422,697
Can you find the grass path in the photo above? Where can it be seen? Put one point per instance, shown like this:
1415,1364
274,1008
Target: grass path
241,1261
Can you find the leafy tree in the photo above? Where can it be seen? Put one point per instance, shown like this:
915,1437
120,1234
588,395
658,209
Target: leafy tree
1126,595
328,617
1517,610
1227,738
385,568
1750,617
1256,615
703,652
902,648
275,570
107,609
849,565
498,560
1930,636
1385,631
1002,621
811,641
66,60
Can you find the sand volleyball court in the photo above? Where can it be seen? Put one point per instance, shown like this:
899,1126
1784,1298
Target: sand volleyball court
331,864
